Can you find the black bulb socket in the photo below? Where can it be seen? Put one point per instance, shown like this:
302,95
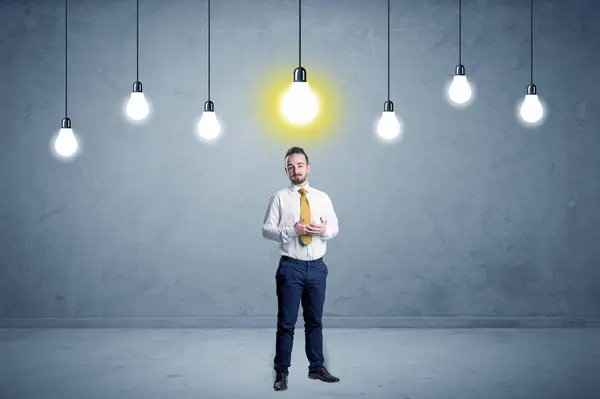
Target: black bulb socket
388,106
459,70
299,74
209,106
137,87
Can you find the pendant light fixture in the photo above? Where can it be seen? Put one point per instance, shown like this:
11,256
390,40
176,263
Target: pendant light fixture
209,127
299,104
137,107
531,110
65,142
388,127
460,90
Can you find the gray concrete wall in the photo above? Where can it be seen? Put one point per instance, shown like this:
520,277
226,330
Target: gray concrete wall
469,217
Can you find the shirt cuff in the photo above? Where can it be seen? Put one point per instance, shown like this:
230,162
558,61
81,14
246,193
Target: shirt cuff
291,231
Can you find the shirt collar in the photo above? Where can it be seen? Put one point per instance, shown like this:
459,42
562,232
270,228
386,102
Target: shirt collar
295,188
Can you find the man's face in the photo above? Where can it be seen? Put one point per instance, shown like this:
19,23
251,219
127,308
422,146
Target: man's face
297,169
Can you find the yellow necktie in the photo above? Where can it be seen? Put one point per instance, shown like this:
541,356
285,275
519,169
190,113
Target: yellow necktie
304,215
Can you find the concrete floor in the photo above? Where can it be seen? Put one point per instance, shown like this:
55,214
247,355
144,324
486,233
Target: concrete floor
236,363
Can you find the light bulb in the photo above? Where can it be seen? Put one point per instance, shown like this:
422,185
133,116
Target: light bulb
460,90
137,107
388,127
299,104
531,109
209,127
65,143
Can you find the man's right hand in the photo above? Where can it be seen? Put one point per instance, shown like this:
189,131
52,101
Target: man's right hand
300,228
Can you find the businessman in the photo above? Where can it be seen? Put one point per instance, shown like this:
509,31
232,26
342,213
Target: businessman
301,219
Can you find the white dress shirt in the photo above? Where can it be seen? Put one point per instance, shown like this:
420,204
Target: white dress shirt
284,211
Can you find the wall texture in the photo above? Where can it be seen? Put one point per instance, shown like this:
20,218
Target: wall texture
470,219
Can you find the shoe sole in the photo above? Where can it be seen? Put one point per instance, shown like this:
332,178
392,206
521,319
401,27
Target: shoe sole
280,389
317,378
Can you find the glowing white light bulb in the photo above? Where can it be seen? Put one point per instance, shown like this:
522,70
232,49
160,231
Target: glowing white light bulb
299,104
460,90
388,127
65,143
209,127
137,106
531,109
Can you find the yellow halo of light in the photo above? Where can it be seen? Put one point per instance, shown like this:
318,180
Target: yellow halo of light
271,87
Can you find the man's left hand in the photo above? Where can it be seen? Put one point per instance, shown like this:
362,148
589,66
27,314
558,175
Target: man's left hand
317,229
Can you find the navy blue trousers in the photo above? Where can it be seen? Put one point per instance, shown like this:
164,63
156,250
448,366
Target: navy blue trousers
300,282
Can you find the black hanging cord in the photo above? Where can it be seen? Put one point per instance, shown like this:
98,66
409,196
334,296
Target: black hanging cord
208,50
459,32
299,33
531,39
66,114
388,49
137,42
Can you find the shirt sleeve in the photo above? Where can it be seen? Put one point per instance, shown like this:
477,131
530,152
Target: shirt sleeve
271,229
332,228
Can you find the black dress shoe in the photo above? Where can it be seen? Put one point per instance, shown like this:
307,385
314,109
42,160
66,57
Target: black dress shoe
280,381
323,375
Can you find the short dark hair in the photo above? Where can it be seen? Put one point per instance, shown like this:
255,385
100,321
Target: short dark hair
296,150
